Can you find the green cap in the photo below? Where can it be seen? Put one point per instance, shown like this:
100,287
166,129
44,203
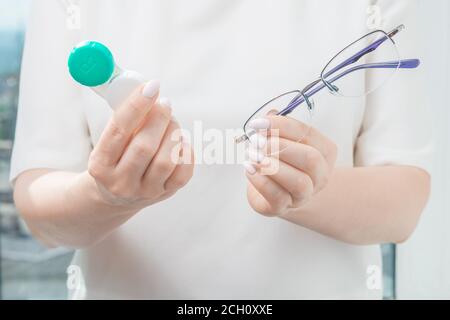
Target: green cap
91,63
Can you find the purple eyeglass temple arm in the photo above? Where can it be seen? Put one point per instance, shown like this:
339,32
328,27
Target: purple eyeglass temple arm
403,64
356,56
366,50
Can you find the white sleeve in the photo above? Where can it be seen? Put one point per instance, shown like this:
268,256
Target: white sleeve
397,125
51,129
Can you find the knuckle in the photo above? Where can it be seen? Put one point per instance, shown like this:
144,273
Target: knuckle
312,160
164,115
120,191
300,188
152,148
182,181
322,183
303,192
115,130
95,169
117,193
163,165
152,190
141,150
137,105
296,203
279,203
264,185
115,190
177,182
279,198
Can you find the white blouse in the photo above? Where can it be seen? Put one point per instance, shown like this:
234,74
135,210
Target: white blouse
218,61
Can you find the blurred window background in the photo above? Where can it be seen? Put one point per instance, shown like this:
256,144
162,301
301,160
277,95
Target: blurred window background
28,269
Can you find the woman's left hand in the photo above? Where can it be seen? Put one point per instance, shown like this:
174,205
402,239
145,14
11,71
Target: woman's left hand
302,167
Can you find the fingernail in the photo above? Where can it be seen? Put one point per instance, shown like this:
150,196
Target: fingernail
260,123
165,102
151,89
255,155
258,141
249,168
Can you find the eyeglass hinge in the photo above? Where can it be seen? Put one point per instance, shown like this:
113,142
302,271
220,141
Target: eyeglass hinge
396,30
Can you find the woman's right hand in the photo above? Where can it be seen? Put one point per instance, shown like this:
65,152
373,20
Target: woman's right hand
141,157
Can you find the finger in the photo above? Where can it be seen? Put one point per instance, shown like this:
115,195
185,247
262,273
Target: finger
145,143
297,183
259,203
297,131
305,158
276,196
183,172
165,160
124,122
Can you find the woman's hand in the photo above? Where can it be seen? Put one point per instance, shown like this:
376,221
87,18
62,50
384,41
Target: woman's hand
141,158
299,170
353,205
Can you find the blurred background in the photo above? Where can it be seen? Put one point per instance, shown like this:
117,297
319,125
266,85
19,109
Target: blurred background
417,269
28,270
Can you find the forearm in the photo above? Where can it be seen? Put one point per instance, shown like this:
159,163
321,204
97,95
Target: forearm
65,209
367,205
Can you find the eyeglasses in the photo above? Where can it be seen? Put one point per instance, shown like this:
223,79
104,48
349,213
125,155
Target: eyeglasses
357,70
